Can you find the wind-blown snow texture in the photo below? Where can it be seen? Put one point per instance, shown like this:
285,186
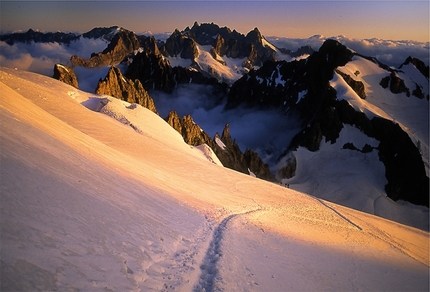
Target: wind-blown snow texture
101,195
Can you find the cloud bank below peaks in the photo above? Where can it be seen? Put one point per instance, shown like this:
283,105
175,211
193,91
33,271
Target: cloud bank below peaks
41,57
259,130
390,52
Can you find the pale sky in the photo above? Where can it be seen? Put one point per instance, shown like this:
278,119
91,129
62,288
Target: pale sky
393,20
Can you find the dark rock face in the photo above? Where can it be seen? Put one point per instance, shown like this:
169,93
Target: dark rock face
278,84
149,44
39,37
123,43
190,131
224,41
396,84
289,168
155,72
425,70
230,155
404,168
152,70
65,74
357,86
235,45
254,162
116,85
302,87
179,45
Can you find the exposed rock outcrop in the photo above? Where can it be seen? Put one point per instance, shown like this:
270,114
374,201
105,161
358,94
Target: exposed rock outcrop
65,74
179,45
357,86
395,84
303,88
224,42
224,146
116,85
190,131
279,84
155,72
420,65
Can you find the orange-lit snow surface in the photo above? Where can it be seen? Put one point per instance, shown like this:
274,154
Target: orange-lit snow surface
89,202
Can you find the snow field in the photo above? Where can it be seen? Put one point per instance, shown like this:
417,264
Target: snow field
90,203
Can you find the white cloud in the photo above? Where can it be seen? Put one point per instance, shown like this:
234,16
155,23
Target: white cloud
389,52
41,57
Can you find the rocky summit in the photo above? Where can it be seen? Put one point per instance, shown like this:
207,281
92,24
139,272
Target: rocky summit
116,85
123,43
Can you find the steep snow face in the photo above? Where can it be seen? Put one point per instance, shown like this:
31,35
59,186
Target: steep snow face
411,113
90,203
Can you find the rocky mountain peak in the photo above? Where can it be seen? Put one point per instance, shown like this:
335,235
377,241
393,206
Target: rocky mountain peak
123,43
254,36
116,85
335,53
65,74
420,65
179,45
105,33
226,133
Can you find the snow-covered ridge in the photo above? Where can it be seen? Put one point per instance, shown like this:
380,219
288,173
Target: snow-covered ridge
411,113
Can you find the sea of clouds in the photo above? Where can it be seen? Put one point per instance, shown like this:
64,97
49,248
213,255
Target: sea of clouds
261,131
264,131
389,52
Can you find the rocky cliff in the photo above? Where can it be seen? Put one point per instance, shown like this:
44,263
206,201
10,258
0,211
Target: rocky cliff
224,147
116,85
303,88
224,42
65,74
155,72
123,43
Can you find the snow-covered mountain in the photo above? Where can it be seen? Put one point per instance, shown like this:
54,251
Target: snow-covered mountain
98,194
327,120
367,114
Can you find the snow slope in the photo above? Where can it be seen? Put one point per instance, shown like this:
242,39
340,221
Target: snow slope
326,175
96,203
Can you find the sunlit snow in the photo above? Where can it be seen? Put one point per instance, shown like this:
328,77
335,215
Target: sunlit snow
89,203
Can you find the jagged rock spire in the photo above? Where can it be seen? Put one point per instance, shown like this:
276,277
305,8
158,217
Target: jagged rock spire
116,85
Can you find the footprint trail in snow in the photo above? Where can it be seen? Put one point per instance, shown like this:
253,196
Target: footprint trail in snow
209,270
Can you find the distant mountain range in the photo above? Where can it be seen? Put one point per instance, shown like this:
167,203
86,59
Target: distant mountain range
349,113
